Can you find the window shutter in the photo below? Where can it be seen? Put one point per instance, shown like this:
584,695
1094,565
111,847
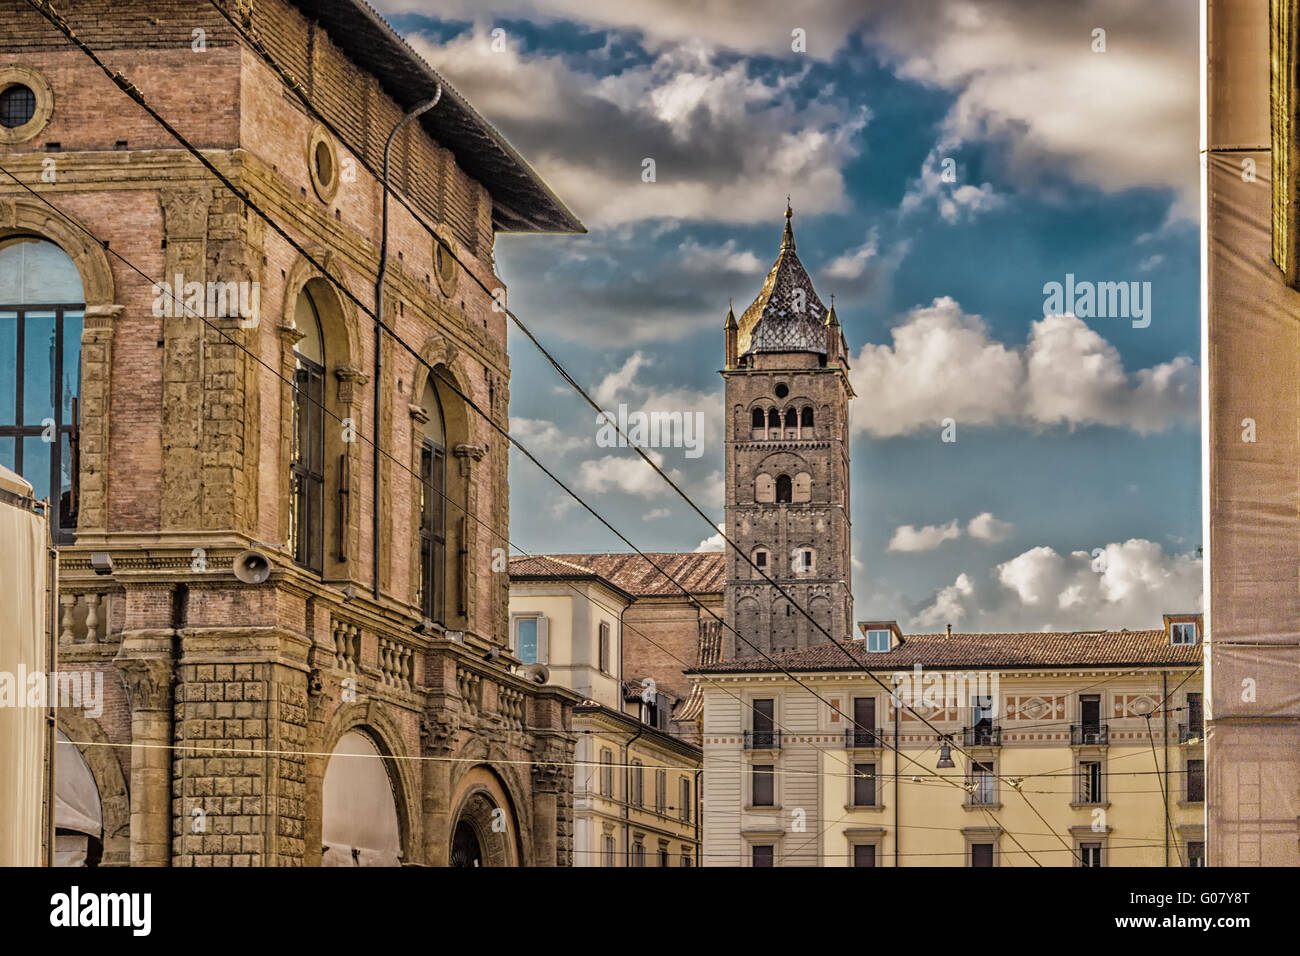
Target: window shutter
543,640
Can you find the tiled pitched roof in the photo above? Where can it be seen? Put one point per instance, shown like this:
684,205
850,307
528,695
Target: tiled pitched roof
777,321
710,651
965,651
699,573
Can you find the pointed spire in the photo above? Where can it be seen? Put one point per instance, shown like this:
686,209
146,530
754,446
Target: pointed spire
731,317
831,318
787,238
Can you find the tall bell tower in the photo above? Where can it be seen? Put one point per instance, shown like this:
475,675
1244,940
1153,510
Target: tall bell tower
787,464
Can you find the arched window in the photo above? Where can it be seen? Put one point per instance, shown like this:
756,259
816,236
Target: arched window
42,306
307,452
791,418
757,418
806,417
433,507
783,489
774,419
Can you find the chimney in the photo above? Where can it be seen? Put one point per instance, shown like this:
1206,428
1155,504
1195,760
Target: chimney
950,630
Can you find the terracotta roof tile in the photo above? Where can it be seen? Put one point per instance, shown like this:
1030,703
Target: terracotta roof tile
1024,650
700,573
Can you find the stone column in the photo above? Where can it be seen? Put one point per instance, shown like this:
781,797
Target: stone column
96,401
145,660
466,572
438,732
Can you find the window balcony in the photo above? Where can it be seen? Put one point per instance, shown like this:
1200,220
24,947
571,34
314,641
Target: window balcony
1090,735
864,739
982,735
762,740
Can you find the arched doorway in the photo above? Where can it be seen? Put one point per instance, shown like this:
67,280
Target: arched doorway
485,832
359,823
78,812
466,850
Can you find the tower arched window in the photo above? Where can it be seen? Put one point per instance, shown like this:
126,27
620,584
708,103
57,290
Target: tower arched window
433,507
42,306
791,418
307,459
783,489
806,417
774,419
757,424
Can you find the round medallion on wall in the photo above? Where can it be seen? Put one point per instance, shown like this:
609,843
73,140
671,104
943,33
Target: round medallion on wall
26,104
782,390
323,163
444,261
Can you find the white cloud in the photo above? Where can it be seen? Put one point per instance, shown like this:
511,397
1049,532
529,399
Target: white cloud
713,542
1126,584
1151,262
723,258
909,538
544,438
719,134
943,364
948,606
955,200
655,514
985,527
852,264
1025,75
629,474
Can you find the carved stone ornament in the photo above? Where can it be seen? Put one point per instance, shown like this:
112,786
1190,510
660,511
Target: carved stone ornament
148,681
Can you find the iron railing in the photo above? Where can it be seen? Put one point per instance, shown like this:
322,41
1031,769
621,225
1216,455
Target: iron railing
863,738
982,735
762,740
1089,735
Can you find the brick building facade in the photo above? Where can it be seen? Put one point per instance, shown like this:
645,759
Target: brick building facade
787,466
195,439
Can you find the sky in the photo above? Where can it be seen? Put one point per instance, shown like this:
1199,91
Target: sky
946,162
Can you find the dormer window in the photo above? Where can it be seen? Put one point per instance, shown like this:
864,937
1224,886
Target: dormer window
1183,632
878,641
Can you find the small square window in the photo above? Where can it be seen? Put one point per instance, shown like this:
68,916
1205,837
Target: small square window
1182,632
760,559
878,641
763,855
864,854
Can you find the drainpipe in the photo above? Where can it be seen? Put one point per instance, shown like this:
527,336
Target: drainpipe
699,806
379,318
627,794
1164,695
898,830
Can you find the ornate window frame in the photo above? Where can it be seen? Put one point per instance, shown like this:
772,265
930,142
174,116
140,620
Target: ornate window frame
40,87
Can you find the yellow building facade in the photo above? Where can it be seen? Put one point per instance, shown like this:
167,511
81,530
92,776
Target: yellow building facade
635,783
959,750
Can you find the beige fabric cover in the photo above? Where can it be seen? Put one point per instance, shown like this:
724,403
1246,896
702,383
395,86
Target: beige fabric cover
23,573
359,810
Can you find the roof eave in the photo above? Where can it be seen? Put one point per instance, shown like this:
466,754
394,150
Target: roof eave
521,200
